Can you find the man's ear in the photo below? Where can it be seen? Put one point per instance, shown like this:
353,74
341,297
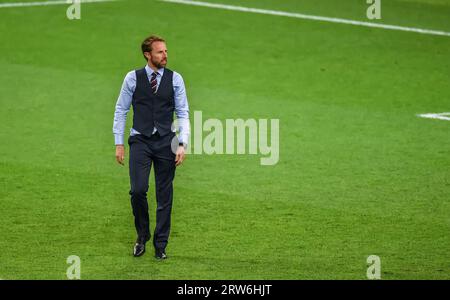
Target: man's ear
147,55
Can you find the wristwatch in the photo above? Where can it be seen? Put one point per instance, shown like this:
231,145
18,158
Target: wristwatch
182,144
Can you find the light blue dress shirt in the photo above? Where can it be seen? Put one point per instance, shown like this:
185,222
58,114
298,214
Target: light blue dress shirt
126,96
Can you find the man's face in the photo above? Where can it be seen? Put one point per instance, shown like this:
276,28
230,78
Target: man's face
158,56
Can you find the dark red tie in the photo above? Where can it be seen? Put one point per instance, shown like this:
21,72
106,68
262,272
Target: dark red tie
154,82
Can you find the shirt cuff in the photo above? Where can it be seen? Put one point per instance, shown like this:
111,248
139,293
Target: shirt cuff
118,139
181,141
183,137
184,130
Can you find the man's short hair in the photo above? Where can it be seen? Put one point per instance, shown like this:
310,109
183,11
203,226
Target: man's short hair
146,45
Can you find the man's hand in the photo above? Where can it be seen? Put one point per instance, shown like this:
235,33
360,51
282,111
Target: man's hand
120,154
179,158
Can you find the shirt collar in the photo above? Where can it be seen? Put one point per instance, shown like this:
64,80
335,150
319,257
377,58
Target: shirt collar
150,71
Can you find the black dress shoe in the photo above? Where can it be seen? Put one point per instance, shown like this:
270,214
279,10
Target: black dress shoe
160,254
139,248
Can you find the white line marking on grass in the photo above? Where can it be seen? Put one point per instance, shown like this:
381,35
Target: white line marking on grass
308,17
439,116
44,3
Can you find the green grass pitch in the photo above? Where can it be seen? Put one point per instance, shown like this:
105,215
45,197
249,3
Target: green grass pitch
359,173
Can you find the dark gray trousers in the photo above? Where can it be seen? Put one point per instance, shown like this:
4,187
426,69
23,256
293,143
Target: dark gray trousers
145,151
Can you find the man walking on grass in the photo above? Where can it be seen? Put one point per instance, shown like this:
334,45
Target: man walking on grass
155,93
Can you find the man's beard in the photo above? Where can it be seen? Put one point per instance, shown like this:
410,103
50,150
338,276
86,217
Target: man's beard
160,64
